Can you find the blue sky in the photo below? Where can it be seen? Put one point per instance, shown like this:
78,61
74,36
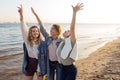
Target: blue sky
60,11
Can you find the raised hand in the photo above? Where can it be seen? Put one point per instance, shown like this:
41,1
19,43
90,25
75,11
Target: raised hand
78,7
20,10
33,11
37,17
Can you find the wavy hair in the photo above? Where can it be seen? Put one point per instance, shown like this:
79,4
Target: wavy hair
30,37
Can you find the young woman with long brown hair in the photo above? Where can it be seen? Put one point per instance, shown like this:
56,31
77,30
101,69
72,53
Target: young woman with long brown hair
35,57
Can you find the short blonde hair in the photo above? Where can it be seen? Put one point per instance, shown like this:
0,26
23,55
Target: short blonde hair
57,28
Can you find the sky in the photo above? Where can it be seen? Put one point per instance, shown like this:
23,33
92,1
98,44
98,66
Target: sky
60,11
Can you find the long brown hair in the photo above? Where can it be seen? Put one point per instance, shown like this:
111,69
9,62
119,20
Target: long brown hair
30,37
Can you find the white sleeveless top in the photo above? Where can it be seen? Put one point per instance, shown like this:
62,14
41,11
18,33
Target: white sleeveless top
67,52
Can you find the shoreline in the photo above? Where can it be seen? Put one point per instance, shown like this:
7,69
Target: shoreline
103,64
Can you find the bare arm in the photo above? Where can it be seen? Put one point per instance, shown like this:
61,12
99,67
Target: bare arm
72,27
42,29
37,17
24,27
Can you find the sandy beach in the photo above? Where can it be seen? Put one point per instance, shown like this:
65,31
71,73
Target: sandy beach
103,64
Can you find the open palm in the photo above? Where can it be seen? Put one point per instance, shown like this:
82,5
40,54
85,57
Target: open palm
78,7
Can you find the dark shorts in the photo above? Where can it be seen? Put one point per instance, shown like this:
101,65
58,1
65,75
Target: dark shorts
31,67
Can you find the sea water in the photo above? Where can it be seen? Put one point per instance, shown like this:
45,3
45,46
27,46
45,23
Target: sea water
90,37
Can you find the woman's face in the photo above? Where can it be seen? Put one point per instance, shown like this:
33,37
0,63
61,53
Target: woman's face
35,32
66,34
53,31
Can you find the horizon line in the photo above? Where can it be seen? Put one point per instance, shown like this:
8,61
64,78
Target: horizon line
61,23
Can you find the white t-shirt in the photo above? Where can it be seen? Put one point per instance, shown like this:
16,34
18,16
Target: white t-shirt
32,51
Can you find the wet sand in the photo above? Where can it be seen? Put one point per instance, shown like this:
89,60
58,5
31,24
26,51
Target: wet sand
10,67
103,64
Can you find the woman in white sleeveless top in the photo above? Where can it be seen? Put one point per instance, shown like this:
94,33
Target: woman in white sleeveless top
67,50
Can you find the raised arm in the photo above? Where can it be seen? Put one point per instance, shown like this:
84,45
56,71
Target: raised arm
24,27
42,29
76,8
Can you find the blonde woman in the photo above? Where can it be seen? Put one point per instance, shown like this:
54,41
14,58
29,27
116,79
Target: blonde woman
33,49
53,40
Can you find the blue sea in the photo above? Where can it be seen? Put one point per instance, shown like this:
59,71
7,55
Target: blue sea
90,37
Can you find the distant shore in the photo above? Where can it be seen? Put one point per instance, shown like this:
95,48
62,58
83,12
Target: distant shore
103,64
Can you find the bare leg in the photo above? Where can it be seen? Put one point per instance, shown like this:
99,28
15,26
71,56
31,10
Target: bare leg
29,77
38,76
